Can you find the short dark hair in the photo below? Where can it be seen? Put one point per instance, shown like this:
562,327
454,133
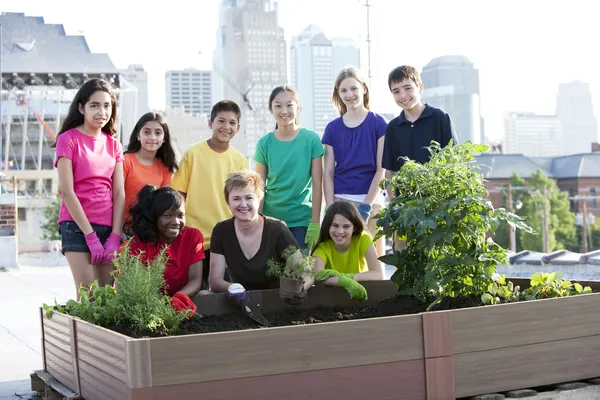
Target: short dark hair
403,72
345,209
225,105
152,202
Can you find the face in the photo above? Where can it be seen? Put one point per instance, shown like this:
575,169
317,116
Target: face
406,93
341,231
284,108
243,203
151,136
97,110
170,224
352,93
225,126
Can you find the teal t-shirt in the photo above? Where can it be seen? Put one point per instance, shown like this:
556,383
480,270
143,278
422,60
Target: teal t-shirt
288,194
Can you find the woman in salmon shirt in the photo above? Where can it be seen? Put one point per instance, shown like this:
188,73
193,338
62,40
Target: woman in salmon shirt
158,221
149,158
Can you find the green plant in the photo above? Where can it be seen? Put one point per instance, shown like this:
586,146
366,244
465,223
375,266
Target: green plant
543,285
295,265
50,227
441,210
138,303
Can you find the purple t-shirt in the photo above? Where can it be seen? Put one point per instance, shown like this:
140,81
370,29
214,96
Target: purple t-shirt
94,159
355,153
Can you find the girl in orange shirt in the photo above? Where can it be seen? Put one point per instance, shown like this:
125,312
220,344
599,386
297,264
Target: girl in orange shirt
149,159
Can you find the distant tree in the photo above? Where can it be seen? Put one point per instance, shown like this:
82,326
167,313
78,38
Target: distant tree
50,227
502,233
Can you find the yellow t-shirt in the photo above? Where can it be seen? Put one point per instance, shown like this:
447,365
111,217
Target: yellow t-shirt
201,175
352,260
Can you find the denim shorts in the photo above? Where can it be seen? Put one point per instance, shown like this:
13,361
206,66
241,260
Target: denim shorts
74,240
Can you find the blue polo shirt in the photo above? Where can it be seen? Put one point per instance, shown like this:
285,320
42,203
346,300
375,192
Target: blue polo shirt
411,139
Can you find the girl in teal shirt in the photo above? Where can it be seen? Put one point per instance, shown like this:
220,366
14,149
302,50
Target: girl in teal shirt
289,161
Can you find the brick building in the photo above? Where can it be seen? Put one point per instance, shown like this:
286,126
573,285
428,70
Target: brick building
577,174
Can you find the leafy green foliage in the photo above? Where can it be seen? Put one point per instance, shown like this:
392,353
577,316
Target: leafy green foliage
138,303
441,211
50,227
296,265
542,286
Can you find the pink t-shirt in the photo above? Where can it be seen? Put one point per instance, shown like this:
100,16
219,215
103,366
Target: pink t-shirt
94,159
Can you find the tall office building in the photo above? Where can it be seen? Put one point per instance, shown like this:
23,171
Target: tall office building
533,135
190,89
314,63
138,78
452,83
575,111
248,62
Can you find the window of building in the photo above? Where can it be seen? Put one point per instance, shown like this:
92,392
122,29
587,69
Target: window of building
22,214
593,194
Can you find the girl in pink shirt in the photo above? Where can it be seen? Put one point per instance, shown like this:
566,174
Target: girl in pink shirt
90,174
149,159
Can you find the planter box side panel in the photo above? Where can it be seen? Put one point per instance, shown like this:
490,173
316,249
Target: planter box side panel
526,366
403,380
57,350
519,324
97,385
103,349
209,357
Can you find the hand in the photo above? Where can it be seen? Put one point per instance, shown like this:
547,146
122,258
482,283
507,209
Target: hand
96,249
111,246
312,235
356,290
238,295
326,274
181,302
365,211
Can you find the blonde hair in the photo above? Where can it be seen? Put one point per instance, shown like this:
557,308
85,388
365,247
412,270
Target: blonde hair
242,180
348,72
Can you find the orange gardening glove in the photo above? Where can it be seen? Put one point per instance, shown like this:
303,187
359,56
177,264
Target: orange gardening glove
182,302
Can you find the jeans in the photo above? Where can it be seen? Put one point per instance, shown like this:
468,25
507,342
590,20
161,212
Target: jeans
299,233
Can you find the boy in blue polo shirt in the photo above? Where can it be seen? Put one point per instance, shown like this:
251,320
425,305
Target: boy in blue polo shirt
409,134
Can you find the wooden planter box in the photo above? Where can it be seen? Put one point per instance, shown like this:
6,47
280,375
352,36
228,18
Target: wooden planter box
435,356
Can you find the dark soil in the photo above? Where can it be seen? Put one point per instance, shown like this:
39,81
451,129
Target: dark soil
395,305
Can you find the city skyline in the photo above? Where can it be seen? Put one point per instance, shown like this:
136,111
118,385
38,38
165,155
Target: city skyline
517,73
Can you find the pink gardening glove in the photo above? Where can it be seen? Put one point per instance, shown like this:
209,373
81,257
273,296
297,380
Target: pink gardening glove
111,246
96,249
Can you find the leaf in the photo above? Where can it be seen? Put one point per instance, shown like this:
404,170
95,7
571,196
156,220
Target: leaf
536,279
487,298
390,259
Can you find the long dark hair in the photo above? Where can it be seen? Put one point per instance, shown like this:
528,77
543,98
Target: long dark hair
165,152
284,88
152,203
75,117
345,209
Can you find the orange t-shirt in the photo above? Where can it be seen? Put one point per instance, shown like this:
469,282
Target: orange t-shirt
137,175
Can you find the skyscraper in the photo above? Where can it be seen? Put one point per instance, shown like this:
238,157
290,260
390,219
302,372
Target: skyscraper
315,62
452,83
190,89
532,135
574,109
249,61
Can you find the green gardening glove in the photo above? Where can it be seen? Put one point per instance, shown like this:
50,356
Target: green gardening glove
326,274
312,235
356,290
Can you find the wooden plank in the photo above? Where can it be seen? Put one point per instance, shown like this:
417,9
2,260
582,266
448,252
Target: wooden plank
97,385
43,338
437,334
139,371
227,355
518,324
58,364
102,348
74,360
439,378
526,366
390,381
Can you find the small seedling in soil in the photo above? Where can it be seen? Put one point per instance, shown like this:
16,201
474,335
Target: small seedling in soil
291,272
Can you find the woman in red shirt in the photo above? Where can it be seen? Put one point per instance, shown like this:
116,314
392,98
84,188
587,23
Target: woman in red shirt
158,221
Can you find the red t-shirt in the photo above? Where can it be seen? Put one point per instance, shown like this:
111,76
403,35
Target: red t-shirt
186,250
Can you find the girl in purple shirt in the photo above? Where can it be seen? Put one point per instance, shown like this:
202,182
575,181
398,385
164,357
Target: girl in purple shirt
90,174
354,149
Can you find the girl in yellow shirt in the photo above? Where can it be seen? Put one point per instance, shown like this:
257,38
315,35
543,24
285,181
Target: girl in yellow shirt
345,254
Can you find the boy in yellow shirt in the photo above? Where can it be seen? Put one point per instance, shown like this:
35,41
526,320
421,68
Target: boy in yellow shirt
203,171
